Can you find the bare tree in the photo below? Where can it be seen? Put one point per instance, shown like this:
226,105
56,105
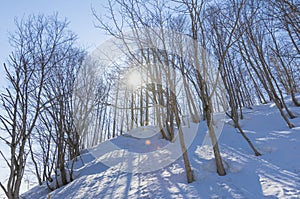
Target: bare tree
255,45
34,43
158,65
59,91
224,22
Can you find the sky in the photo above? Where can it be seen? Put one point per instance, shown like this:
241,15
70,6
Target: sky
78,12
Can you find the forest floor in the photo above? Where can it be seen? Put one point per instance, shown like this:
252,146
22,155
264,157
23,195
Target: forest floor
142,165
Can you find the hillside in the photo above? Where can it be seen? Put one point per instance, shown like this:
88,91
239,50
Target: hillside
125,167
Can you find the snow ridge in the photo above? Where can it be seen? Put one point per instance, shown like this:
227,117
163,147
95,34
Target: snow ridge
106,172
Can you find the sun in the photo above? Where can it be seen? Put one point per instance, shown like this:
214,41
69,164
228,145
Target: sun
134,79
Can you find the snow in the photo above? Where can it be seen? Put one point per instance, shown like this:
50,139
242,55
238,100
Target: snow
142,165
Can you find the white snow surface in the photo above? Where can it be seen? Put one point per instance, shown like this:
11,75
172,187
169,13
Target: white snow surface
111,172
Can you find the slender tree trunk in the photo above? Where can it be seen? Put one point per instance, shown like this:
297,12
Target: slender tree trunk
188,169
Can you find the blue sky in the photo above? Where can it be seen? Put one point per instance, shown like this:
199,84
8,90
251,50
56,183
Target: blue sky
78,12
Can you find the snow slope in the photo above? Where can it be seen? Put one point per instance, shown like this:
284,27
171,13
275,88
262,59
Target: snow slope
128,171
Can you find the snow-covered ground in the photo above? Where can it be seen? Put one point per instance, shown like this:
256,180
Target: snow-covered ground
125,167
